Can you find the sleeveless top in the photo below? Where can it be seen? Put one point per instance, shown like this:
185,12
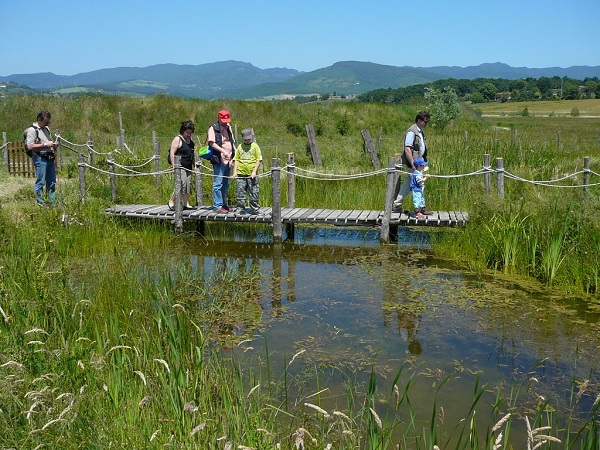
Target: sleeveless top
186,151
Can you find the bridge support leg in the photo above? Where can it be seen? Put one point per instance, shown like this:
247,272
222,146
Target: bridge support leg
290,231
393,236
200,227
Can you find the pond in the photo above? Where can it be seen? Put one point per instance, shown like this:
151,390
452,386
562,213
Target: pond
337,300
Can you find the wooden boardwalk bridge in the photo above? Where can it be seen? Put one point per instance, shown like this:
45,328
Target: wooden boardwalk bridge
291,216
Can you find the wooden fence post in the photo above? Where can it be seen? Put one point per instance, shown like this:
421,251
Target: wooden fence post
122,134
291,192
291,180
313,147
113,181
486,175
370,148
57,158
178,169
390,187
90,147
586,173
156,146
199,187
559,144
276,206
5,150
466,139
500,173
81,164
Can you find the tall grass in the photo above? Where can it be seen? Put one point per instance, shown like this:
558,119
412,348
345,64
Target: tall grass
494,240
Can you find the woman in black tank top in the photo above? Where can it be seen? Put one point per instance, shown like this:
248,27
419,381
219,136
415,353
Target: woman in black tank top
183,146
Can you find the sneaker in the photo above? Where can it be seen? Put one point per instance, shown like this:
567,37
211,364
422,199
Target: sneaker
222,211
397,208
255,212
420,215
226,207
241,211
426,212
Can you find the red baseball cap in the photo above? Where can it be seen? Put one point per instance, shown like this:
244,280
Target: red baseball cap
224,116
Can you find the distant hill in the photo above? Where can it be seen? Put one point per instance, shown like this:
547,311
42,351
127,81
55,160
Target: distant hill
242,80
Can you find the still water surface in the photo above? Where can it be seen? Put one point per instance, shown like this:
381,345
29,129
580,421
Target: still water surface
345,301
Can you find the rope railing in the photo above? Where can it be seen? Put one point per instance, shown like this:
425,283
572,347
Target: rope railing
320,176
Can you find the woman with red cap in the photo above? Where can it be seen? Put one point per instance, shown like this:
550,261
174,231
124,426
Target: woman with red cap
220,139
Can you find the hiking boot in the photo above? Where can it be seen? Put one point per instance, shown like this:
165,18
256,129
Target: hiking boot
426,212
397,208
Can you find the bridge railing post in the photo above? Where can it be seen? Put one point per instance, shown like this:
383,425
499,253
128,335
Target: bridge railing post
291,192
156,146
390,188
276,205
291,180
500,174
177,172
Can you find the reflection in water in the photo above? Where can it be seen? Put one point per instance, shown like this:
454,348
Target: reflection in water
347,301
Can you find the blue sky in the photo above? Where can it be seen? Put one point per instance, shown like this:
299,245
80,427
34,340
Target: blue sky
79,36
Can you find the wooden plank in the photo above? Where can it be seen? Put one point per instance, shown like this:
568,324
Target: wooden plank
341,218
314,214
298,215
353,216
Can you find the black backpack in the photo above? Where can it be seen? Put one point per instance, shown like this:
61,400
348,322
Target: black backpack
36,141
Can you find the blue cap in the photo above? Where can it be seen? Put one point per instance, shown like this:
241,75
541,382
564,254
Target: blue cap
419,162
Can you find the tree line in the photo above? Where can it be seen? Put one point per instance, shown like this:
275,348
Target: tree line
481,90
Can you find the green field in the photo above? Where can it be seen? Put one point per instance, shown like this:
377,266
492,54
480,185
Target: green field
586,108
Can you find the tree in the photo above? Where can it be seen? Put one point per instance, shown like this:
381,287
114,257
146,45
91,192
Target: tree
443,105
570,90
488,90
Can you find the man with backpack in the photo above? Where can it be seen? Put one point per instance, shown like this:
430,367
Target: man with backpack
220,139
40,146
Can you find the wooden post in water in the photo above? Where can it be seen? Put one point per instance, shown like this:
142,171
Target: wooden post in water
291,192
370,148
156,146
313,147
178,169
276,206
586,173
500,173
486,175
90,149
113,181
81,164
390,187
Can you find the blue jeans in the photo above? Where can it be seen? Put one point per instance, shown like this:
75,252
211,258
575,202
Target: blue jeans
220,185
45,177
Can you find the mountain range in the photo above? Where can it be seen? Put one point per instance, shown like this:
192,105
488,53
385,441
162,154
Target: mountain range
242,80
